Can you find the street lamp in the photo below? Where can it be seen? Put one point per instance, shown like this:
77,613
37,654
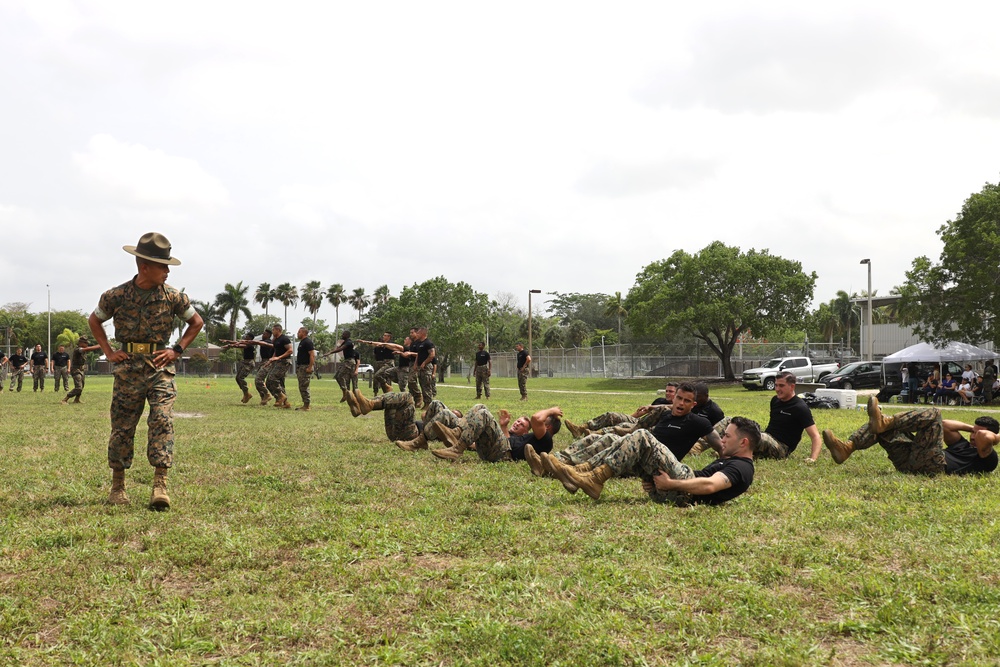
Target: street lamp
868,315
530,292
48,350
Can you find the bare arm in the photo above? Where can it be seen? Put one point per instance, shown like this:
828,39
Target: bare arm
696,486
539,418
714,441
817,443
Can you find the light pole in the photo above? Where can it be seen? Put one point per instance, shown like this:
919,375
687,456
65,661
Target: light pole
530,292
868,315
48,350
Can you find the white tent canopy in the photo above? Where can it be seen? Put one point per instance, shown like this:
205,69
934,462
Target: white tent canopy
925,352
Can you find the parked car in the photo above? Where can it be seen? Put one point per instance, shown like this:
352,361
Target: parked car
857,375
365,368
803,367
892,384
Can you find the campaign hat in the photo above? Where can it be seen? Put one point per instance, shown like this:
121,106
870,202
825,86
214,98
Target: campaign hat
153,246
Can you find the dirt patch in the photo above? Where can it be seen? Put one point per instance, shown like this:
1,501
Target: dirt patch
188,415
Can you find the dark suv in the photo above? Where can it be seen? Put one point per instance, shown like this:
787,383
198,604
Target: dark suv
858,375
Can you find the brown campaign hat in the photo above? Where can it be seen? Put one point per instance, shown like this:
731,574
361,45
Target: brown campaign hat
153,246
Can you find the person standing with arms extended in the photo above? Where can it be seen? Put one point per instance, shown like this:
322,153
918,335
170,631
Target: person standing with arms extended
426,354
78,368
278,367
523,368
143,310
305,362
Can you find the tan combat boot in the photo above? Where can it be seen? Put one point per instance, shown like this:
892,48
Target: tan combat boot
879,422
343,399
552,467
159,500
592,483
304,408
118,495
453,436
246,397
265,400
535,462
352,403
419,442
839,450
577,430
364,405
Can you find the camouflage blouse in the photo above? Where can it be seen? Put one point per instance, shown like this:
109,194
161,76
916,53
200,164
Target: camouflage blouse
143,316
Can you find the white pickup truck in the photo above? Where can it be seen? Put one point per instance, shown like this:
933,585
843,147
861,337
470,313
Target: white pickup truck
803,367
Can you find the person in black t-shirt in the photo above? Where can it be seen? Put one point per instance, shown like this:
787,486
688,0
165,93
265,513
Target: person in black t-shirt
483,370
278,366
39,367
246,365
493,439
263,370
305,361
663,476
424,369
17,362
523,369
790,416
60,367
921,442
347,371
384,365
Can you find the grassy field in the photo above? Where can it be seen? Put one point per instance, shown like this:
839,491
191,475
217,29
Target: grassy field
307,538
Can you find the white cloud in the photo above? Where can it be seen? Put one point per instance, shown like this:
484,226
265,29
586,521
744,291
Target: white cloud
133,175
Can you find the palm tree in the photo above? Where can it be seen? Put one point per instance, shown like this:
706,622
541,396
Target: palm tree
212,317
232,301
553,336
381,295
359,301
288,295
846,315
614,308
264,295
312,297
336,295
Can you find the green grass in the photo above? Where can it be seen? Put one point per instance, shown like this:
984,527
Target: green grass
307,538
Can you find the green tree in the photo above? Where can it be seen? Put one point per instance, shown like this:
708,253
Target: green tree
312,297
957,297
717,294
264,295
554,336
577,333
67,339
381,295
288,295
847,314
589,308
214,320
232,302
358,300
336,295
615,307
258,323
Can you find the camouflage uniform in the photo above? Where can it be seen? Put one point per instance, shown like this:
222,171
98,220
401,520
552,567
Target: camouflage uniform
244,368
345,373
79,364
641,455
276,377
589,446
920,453
425,377
38,378
482,374
522,380
437,411
302,375
62,373
399,416
260,382
382,380
16,375
609,419
142,316
481,429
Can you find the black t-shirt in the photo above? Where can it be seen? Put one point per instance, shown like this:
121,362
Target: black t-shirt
305,347
740,473
60,359
266,351
349,351
680,433
963,459
406,362
710,411
517,443
281,345
660,401
522,359
482,358
423,350
788,420
39,358
382,353
16,361
249,353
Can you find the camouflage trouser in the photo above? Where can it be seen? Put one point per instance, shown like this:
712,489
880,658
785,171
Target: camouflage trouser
303,377
641,455
62,373
914,443
38,378
438,412
647,421
482,374
403,377
480,428
276,378
587,447
79,378
345,373
137,383
769,448
425,377
399,416
243,369
609,419
382,380
260,382
16,375
522,381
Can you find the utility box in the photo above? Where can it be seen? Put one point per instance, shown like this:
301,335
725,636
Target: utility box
848,398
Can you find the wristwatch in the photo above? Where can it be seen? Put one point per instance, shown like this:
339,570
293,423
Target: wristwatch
178,349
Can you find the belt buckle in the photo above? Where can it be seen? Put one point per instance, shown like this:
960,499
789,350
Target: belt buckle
141,348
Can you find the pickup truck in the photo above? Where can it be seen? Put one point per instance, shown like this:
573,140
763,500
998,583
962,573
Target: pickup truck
803,367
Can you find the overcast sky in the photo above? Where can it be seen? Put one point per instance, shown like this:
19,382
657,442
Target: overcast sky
559,146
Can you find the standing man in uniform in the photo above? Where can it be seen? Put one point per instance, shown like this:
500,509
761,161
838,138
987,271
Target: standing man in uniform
246,365
483,370
348,369
523,368
144,310
78,368
17,362
39,367
425,365
3,370
278,367
989,377
305,361
61,367
266,350
384,364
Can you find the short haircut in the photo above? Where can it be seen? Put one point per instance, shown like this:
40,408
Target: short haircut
787,376
686,386
346,334
556,423
749,429
701,389
672,384
989,423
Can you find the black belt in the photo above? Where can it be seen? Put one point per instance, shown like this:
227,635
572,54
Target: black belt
144,348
